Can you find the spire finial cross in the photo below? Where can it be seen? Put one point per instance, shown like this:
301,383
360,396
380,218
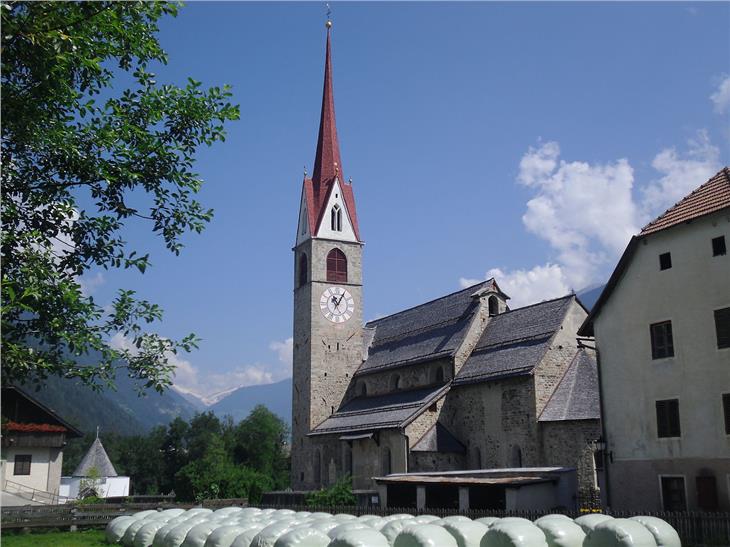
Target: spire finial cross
328,24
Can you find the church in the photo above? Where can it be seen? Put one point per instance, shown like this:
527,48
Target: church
461,390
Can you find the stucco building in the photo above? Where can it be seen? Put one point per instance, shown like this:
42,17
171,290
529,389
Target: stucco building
33,437
458,383
662,328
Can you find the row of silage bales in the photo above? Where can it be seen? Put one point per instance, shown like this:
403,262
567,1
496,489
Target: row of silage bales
253,527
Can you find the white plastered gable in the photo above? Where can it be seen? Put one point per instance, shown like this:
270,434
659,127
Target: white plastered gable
303,226
346,233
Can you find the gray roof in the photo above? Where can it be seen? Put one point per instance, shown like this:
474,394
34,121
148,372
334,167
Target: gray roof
438,439
577,396
96,458
430,331
395,409
514,342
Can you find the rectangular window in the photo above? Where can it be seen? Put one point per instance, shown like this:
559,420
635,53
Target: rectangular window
726,411
662,342
718,246
706,493
667,418
673,498
22,464
722,327
665,261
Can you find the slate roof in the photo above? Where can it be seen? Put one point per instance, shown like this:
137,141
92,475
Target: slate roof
577,395
514,342
395,409
96,458
430,331
438,439
712,196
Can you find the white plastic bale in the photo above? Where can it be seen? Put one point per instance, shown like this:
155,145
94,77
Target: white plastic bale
176,536
324,525
145,536
267,537
223,536
664,534
515,520
466,534
393,528
173,513
145,514
424,535
454,518
487,521
554,516
320,514
344,516
302,514
169,525
619,533
284,512
514,534
228,511
590,521
360,538
376,523
199,533
116,528
244,539
561,532
430,519
303,537
129,533
346,527
400,516
251,511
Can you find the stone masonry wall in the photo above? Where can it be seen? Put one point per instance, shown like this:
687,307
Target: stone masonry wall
410,377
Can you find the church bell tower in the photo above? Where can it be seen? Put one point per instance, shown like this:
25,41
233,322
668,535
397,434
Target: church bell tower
327,302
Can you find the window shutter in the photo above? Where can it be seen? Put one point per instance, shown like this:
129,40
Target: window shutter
722,327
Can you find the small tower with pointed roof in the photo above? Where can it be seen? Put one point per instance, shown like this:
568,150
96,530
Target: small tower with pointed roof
327,299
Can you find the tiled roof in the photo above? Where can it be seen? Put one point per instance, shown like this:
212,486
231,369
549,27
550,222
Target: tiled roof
96,458
712,196
429,331
395,409
438,439
577,395
514,342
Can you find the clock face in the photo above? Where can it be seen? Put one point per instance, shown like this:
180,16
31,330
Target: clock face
337,304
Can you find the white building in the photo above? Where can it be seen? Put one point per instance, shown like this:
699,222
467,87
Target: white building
95,476
662,327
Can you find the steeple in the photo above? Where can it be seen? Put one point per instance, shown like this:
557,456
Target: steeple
327,162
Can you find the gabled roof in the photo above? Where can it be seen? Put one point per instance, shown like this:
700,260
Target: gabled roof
327,161
438,439
396,409
24,413
514,342
430,331
712,196
577,396
96,458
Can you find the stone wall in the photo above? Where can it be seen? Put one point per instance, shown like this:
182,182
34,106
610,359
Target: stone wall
436,461
409,377
369,457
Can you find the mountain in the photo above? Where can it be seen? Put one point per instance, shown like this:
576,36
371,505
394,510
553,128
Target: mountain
239,403
121,411
589,295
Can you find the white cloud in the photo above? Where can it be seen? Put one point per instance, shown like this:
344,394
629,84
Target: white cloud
680,175
528,286
191,379
587,213
89,283
721,97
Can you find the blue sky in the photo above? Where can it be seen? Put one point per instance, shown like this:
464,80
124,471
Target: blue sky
524,140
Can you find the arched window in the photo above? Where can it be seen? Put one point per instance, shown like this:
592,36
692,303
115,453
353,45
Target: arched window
387,463
347,456
438,376
336,266
394,382
317,467
493,305
336,218
303,269
516,459
363,389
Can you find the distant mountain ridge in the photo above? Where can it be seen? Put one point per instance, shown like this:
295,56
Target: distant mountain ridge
240,402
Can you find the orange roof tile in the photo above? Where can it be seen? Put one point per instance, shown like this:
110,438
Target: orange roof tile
712,196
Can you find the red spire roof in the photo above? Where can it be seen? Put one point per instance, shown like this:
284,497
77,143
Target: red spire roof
327,162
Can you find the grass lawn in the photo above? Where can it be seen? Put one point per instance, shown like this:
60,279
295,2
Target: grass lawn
84,538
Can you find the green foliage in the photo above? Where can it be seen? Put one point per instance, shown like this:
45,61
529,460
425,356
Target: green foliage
204,458
80,162
339,493
82,538
90,500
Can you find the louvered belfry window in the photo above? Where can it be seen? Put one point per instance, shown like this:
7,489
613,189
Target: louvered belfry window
722,327
336,266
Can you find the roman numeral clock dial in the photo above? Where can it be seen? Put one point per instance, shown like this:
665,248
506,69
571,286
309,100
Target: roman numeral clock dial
337,304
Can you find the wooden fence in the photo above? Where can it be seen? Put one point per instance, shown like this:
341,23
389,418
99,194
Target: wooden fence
695,529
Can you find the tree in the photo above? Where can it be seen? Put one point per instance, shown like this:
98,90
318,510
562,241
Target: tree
260,442
79,164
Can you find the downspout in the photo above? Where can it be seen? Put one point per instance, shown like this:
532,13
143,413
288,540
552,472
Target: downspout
606,459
